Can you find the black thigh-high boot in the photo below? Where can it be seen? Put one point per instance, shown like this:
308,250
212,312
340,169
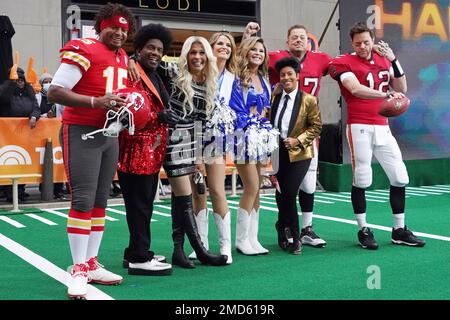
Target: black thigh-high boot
178,257
184,211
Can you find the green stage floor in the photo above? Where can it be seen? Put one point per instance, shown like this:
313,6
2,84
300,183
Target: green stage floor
35,254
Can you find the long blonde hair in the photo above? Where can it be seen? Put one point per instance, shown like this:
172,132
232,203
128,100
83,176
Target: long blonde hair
244,71
231,64
184,78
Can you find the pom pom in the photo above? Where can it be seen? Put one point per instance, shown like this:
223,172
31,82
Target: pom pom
221,122
261,138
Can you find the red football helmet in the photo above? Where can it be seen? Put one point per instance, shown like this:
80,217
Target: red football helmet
133,116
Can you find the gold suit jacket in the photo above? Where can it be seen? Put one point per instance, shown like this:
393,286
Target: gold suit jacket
305,124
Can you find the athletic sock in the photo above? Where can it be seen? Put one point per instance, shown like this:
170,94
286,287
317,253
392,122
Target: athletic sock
97,229
399,220
361,220
306,219
78,230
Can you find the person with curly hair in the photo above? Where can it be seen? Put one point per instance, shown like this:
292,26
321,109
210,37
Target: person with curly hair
141,155
296,115
314,67
91,69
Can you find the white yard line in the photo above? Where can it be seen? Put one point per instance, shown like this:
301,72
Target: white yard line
12,222
374,226
47,267
123,213
315,200
43,220
385,194
382,192
161,213
330,198
438,189
349,197
369,194
415,194
56,212
266,202
163,206
418,190
434,192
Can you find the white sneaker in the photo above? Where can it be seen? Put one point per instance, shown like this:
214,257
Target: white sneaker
98,274
150,268
77,281
310,238
157,257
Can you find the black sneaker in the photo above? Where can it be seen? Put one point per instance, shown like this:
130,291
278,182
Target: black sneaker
60,196
406,237
310,238
282,237
366,239
295,247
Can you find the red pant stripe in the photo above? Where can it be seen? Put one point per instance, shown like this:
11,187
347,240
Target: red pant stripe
80,215
78,231
352,149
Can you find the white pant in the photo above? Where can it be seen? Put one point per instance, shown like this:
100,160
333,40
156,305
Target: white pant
367,140
310,180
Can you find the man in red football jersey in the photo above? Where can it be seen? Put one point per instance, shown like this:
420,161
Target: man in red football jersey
90,70
314,65
364,78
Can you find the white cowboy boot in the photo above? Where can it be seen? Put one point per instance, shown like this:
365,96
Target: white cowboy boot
242,233
253,233
223,227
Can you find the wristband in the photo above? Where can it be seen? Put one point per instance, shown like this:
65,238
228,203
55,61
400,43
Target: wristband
92,102
398,70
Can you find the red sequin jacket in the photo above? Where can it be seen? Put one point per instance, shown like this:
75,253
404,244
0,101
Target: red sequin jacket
143,152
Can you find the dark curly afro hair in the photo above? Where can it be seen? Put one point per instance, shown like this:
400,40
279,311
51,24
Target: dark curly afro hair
153,31
288,62
110,10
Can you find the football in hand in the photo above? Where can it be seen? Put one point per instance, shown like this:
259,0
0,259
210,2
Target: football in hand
392,107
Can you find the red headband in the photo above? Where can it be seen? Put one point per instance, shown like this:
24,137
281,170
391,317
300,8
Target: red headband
115,21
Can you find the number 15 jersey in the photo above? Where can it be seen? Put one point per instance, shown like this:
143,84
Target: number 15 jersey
374,73
103,71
